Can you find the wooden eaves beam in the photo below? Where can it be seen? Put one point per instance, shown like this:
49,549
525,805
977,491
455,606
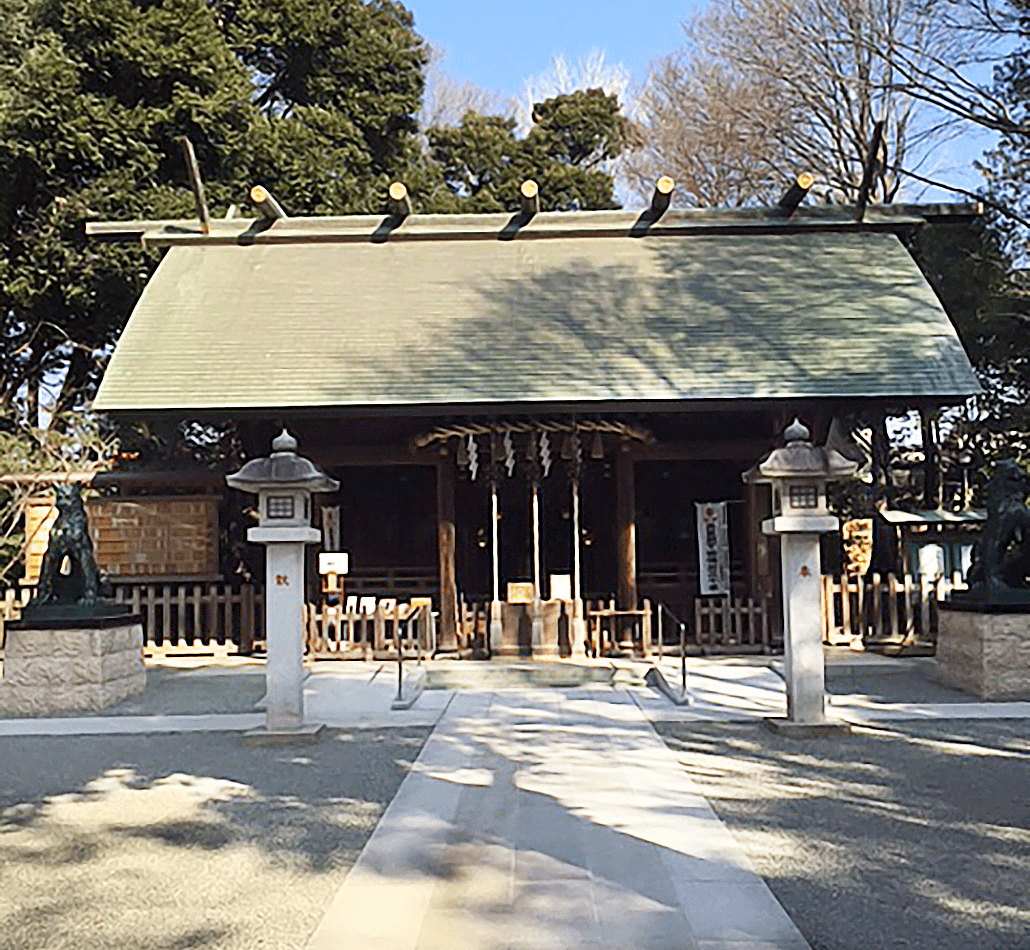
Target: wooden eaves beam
662,197
399,201
270,209
529,198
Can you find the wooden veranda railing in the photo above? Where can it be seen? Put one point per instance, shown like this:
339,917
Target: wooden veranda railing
883,608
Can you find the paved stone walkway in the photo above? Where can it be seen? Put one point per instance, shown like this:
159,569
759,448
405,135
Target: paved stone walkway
551,819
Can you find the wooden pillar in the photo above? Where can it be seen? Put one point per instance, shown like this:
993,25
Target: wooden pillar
579,627
496,625
881,458
447,636
627,528
536,539
931,456
577,582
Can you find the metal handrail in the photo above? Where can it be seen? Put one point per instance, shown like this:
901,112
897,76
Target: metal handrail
683,641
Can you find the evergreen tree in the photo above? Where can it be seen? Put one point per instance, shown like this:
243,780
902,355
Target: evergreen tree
567,152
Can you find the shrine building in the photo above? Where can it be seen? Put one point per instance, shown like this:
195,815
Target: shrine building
538,407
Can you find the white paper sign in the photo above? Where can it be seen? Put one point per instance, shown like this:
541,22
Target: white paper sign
713,544
561,587
333,563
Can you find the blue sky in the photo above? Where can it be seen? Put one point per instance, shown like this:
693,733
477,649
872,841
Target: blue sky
498,45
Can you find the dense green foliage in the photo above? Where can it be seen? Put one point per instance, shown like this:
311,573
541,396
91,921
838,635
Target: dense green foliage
573,137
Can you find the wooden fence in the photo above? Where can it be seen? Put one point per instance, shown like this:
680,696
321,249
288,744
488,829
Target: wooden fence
182,618
882,608
717,625
202,618
615,632
732,625
370,627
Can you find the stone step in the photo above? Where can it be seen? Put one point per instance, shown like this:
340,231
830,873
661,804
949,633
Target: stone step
490,675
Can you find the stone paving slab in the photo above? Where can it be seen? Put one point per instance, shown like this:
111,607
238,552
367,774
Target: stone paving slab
552,819
359,695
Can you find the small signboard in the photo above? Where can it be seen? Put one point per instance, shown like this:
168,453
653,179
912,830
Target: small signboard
520,592
561,587
337,562
713,544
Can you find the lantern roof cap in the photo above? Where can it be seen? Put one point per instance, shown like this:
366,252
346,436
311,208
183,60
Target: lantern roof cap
798,458
284,468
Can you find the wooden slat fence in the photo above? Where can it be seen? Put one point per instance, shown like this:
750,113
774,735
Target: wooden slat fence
200,618
206,618
732,625
370,628
473,624
883,608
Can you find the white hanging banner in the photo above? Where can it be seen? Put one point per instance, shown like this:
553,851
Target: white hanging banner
713,543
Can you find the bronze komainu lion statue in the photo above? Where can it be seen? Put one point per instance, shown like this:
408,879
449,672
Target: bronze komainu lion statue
1001,555
69,537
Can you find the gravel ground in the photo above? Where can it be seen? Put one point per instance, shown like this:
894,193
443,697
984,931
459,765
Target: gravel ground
190,692
168,842
913,836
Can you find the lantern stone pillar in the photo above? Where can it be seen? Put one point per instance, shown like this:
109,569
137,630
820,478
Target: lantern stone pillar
283,482
798,474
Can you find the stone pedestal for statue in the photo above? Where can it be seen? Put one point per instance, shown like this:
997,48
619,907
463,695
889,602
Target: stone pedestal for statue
73,650
983,638
986,654
82,666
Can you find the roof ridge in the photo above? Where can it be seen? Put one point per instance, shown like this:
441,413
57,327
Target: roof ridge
504,225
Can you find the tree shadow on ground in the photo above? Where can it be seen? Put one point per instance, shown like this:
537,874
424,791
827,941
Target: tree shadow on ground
912,834
95,831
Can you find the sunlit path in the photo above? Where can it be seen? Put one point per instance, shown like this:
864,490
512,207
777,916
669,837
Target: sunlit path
551,818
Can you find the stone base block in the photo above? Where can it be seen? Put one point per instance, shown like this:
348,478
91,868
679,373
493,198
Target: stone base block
52,672
656,680
306,735
807,730
985,654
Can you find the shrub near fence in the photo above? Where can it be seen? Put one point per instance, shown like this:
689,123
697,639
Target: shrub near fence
883,608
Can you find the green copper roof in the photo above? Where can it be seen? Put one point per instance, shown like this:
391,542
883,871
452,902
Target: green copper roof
580,319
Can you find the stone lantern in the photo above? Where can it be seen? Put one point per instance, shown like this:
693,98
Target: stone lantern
284,483
798,474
